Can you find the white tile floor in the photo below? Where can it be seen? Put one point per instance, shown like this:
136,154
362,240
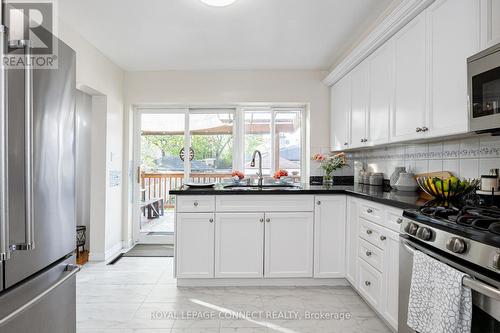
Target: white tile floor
139,295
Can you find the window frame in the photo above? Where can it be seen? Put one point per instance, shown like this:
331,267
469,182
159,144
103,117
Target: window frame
238,129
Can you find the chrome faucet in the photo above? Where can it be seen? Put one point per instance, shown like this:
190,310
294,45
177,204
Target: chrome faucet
252,164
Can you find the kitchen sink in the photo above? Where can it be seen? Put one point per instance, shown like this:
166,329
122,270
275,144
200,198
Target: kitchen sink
246,187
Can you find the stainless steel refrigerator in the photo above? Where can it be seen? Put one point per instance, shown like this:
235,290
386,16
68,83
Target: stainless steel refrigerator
37,194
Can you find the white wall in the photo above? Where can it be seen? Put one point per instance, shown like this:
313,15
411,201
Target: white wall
98,74
222,87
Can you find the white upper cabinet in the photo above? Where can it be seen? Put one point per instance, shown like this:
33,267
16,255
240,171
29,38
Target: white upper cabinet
340,113
381,93
410,107
490,23
359,104
453,36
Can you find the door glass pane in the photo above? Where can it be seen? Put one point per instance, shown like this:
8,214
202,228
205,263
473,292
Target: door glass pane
212,146
288,142
258,137
162,169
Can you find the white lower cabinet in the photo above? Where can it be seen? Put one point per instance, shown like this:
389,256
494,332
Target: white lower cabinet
390,278
195,245
239,245
288,245
351,247
329,236
374,248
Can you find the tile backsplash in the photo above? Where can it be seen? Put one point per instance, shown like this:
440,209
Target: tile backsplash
470,157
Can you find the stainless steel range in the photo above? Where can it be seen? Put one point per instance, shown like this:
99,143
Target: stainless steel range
466,238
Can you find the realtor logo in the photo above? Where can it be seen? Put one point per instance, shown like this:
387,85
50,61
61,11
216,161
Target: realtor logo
31,23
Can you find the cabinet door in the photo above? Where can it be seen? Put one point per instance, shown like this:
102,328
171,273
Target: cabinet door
359,102
329,236
390,278
239,245
288,245
381,88
351,240
490,23
453,36
195,245
340,101
410,81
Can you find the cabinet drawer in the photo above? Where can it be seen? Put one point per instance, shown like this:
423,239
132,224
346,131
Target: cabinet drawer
371,212
371,232
394,219
265,203
369,282
195,203
371,254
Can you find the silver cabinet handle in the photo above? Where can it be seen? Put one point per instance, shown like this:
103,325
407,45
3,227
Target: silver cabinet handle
399,220
367,283
261,219
196,203
211,220
362,140
368,253
383,238
424,129
268,220
369,211
70,270
345,143
29,242
4,203
369,232
318,202
418,129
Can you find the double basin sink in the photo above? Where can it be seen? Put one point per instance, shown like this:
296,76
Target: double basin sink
265,187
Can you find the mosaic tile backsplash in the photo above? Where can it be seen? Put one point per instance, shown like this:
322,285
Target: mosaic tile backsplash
468,158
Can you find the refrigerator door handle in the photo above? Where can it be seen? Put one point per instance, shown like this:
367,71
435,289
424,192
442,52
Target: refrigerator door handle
70,271
4,203
29,243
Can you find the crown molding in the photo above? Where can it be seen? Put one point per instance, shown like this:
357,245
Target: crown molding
397,19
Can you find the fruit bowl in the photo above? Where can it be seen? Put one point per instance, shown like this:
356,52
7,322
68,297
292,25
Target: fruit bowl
449,188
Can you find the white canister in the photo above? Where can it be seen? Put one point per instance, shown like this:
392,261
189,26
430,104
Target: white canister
489,182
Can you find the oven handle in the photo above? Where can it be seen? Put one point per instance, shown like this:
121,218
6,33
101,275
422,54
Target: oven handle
472,283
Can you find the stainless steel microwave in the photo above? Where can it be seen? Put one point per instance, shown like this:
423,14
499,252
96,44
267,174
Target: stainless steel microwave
484,90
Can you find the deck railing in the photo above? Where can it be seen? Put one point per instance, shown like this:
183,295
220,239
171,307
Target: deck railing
158,185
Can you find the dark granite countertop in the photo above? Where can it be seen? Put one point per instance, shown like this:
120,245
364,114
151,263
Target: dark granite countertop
403,200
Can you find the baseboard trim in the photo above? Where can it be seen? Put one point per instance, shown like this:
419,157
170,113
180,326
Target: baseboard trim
113,251
291,282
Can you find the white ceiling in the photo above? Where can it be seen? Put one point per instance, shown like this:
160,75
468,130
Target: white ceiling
250,34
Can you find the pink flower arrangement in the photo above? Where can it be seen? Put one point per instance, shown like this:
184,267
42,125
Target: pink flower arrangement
331,163
238,174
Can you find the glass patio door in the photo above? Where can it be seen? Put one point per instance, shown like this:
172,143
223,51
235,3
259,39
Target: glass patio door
174,146
159,146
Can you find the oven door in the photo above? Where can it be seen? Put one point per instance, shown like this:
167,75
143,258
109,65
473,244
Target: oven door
484,90
485,296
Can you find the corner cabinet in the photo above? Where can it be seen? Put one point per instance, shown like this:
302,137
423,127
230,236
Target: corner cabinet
414,86
340,95
329,236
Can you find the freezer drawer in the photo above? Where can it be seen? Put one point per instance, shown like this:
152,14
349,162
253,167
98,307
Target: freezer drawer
44,304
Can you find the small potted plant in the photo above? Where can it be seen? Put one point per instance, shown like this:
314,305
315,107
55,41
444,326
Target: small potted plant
329,164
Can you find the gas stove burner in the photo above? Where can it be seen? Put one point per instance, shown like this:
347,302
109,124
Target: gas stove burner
442,212
495,228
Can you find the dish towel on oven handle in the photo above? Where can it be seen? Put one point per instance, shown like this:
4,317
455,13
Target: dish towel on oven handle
438,303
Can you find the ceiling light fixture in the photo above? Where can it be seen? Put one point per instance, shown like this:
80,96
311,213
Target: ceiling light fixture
218,3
